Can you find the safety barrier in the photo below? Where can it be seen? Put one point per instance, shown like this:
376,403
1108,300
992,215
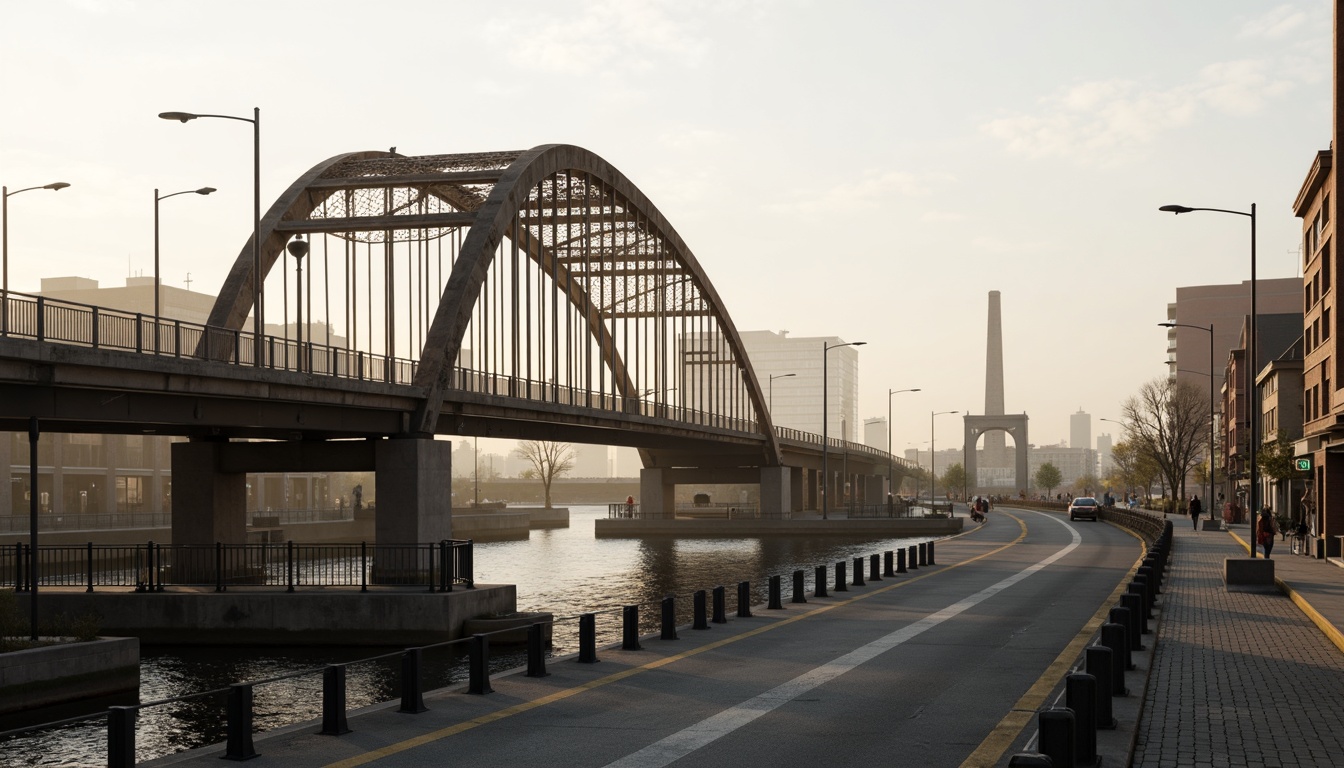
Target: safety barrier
1068,735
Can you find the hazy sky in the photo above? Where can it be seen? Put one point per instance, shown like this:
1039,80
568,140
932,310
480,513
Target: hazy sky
863,169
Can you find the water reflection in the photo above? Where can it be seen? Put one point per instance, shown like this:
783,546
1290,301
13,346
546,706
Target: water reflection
565,571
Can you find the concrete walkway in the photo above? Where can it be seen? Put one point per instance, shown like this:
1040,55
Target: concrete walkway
1244,679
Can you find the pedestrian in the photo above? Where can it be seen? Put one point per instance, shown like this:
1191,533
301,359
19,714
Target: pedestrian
1265,532
1196,509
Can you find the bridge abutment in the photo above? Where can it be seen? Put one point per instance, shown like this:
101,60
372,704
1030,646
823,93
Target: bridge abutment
209,504
657,493
414,480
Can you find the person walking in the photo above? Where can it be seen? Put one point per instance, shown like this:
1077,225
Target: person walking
1265,533
1196,509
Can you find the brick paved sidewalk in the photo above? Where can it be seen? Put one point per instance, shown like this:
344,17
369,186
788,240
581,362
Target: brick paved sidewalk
1239,679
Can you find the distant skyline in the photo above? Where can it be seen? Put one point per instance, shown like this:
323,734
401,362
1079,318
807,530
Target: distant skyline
866,170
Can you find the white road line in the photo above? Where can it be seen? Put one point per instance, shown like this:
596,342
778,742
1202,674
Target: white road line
701,734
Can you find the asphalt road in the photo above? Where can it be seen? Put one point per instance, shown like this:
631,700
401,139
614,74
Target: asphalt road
926,669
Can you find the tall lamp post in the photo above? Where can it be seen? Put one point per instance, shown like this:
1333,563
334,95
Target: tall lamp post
298,248
258,312
772,391
1208,486
157,291
825,413
4,244
1252,360
891,461
933,460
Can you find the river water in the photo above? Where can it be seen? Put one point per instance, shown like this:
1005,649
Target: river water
566,571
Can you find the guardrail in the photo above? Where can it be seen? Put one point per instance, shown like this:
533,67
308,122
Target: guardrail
151,567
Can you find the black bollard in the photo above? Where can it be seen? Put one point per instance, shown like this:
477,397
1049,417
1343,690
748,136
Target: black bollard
900,561
1124,617
923,553
670,616
1113,636
889,563
333,701
776,595
858,572
630,629
874,567
239,723
700,610
799,588
587,643
121,737
1137,587
913,558
1135,605
1080,695
1146,571
820,581
412,697
840,585
478,652
1098,660
744,599
1029,760
536,649
931,562
1056,740
720,606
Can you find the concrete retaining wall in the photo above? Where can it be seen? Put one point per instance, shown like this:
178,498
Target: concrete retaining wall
889,528
283,618
54,674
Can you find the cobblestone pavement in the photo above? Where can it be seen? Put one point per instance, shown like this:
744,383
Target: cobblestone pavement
1238,679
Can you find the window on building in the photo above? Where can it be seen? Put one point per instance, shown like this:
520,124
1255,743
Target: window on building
1325,266
1325,324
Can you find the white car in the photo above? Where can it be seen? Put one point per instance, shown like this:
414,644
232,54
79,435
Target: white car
1083,506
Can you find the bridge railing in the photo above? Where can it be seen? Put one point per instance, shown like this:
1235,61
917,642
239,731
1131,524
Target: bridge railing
151,566
59,321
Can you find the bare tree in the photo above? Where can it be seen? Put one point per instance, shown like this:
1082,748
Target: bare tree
549,459
1168,421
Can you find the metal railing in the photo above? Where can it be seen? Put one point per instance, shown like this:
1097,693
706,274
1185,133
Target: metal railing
86,522
151,567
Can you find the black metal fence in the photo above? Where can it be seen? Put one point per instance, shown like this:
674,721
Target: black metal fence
151,567
722,511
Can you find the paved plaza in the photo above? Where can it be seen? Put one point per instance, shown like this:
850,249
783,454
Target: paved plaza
1243,678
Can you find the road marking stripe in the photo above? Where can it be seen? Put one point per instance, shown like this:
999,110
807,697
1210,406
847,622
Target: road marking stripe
442,733
1002,736
701,734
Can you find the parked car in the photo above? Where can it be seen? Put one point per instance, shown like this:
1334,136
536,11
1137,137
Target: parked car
1083,506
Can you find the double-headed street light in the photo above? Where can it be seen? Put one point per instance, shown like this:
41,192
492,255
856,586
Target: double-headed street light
1208,486
933,460
1252,363
825,437
157,198
774,376
891,462
258,312
4,244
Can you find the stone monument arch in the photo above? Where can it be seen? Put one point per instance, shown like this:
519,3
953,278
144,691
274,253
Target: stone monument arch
1015,425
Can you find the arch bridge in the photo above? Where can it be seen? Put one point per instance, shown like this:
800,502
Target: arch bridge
533,294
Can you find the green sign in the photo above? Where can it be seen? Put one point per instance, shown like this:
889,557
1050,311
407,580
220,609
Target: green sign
1303,465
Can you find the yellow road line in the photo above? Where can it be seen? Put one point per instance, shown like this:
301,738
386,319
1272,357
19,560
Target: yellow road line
1010,727
442,733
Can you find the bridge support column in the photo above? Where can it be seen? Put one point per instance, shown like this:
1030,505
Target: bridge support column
414,481
776,484
796,489
209,505
873,494
657,494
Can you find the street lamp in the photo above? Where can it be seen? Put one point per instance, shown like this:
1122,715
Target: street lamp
933,460
298,248
1208,488
772,390
891,462
157,198
1251,390
4,244
258,312
825,438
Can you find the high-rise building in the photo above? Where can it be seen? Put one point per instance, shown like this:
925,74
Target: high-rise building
1080,430
1225,307
875,433
795,400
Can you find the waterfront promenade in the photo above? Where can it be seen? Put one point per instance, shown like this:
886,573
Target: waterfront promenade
1231,679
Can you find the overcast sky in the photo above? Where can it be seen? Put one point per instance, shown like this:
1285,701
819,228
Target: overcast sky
869,170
